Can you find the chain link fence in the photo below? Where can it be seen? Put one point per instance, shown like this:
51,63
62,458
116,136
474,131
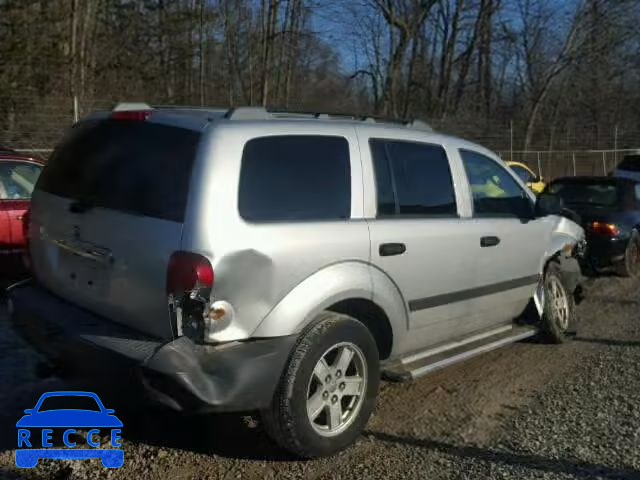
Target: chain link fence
33,125
561,163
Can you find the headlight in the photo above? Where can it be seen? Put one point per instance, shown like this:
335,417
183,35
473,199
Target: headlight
580,249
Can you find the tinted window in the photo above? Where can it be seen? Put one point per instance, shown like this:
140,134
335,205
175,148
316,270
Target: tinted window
495,191
137,167
17,179
69,402
412,179
630,163
525,175
294,178
587,193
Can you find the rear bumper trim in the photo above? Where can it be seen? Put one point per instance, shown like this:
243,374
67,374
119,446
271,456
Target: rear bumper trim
239,376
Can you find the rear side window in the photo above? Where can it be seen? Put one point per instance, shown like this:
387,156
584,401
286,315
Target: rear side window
295,178
412,179
141,168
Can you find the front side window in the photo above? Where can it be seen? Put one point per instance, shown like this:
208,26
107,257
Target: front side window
525,175
17,179
295,178
412,179
495,192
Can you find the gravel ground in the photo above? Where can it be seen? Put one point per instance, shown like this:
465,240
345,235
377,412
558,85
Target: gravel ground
526,411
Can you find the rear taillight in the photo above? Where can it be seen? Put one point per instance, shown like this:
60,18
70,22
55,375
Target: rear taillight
602,228
134,115
187,272
26,256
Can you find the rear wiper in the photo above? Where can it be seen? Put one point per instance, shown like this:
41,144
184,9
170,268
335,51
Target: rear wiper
80,206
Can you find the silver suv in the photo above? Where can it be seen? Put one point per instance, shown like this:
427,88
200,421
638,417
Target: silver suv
256,260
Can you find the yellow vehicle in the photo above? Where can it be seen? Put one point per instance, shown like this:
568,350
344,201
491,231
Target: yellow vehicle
533,181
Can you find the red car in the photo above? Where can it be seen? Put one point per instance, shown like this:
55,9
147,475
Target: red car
18,176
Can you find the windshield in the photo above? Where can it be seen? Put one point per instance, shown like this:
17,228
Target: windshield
69,402
595,193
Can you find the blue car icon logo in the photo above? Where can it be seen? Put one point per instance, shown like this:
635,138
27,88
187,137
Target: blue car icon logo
68,410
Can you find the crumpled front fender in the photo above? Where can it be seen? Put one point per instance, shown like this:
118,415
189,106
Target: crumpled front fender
564,239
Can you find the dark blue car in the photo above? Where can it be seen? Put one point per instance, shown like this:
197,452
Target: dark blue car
69,409
608,209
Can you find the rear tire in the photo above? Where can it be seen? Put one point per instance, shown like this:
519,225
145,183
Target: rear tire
630,265
327,390
558,321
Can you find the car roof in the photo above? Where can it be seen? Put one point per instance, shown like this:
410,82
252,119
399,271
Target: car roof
198,118
19,157
511,163
595,179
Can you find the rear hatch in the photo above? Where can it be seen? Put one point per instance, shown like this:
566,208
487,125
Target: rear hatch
107,214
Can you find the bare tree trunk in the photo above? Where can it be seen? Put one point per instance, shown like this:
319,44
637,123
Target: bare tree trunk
405,18
201,51
562,61
296,13
268,37
73,55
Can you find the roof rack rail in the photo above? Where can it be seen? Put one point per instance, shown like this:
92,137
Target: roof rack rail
186,108
262,113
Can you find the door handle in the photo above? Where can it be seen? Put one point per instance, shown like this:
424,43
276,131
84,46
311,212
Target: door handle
390,249
489,241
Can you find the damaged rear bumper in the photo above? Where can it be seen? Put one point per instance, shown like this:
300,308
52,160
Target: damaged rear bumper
237,376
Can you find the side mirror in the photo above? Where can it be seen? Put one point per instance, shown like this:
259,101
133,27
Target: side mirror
29,411
536,179
548,204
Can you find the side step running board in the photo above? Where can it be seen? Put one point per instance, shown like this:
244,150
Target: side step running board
428,363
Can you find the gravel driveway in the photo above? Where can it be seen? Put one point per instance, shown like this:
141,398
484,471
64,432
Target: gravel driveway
527,411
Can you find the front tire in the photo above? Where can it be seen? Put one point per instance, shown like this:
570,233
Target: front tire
328,389
559,314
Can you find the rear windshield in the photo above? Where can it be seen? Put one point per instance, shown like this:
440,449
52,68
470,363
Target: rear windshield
141,168
586,193
630,163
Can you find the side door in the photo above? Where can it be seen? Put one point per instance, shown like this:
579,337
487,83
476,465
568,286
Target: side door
5,230
16,210
512,241
418,238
